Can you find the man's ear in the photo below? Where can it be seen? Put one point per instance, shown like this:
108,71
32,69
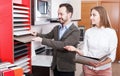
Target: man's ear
70,15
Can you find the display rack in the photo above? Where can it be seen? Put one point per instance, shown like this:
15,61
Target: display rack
15,22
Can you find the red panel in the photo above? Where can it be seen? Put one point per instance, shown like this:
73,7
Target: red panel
27,3
6,40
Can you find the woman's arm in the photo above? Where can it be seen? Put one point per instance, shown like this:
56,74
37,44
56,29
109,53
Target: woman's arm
73,49
101,63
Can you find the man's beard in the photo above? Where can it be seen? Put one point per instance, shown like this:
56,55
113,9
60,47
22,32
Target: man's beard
62,21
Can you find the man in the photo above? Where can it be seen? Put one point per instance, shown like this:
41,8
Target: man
60,36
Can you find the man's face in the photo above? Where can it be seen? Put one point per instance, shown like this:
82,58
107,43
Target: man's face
63,15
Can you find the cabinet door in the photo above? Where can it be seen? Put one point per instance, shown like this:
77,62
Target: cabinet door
85,13
113,10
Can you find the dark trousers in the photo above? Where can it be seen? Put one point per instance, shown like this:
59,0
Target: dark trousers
59,73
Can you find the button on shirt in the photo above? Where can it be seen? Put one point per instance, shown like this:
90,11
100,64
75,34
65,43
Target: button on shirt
62,29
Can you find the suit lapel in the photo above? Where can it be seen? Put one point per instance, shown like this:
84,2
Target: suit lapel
67,32
57,33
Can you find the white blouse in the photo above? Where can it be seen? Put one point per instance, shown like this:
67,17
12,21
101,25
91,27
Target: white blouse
99,42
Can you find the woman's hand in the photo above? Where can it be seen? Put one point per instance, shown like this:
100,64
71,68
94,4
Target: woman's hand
100,63
70,48
96,64
39,39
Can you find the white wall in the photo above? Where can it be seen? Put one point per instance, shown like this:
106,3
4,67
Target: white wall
53,6
76,7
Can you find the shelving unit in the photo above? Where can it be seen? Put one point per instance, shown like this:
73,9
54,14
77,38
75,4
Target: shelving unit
20,17
15,22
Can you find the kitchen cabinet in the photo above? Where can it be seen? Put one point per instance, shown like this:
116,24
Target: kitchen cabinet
113,8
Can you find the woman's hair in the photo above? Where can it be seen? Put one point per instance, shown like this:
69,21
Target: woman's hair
104,18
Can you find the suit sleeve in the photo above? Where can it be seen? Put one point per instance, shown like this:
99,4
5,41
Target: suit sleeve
71,39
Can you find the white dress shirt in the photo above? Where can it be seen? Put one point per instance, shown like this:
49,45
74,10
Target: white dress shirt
63,28
99,42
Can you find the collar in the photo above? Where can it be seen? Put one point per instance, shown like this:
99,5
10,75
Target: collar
65,26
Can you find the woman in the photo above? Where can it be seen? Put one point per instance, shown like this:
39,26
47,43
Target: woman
99,40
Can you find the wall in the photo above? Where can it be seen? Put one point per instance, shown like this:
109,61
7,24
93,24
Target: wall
53,5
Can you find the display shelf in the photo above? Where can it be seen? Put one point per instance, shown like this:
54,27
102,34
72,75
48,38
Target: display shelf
21,16
15,20
21,28
20,24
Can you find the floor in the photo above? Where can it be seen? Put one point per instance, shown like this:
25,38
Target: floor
116,69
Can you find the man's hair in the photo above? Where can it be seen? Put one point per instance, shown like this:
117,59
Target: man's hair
68,7
104,18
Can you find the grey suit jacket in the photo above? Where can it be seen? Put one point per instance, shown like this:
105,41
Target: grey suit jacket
63,59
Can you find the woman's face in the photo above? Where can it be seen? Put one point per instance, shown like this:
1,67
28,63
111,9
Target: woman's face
95,17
